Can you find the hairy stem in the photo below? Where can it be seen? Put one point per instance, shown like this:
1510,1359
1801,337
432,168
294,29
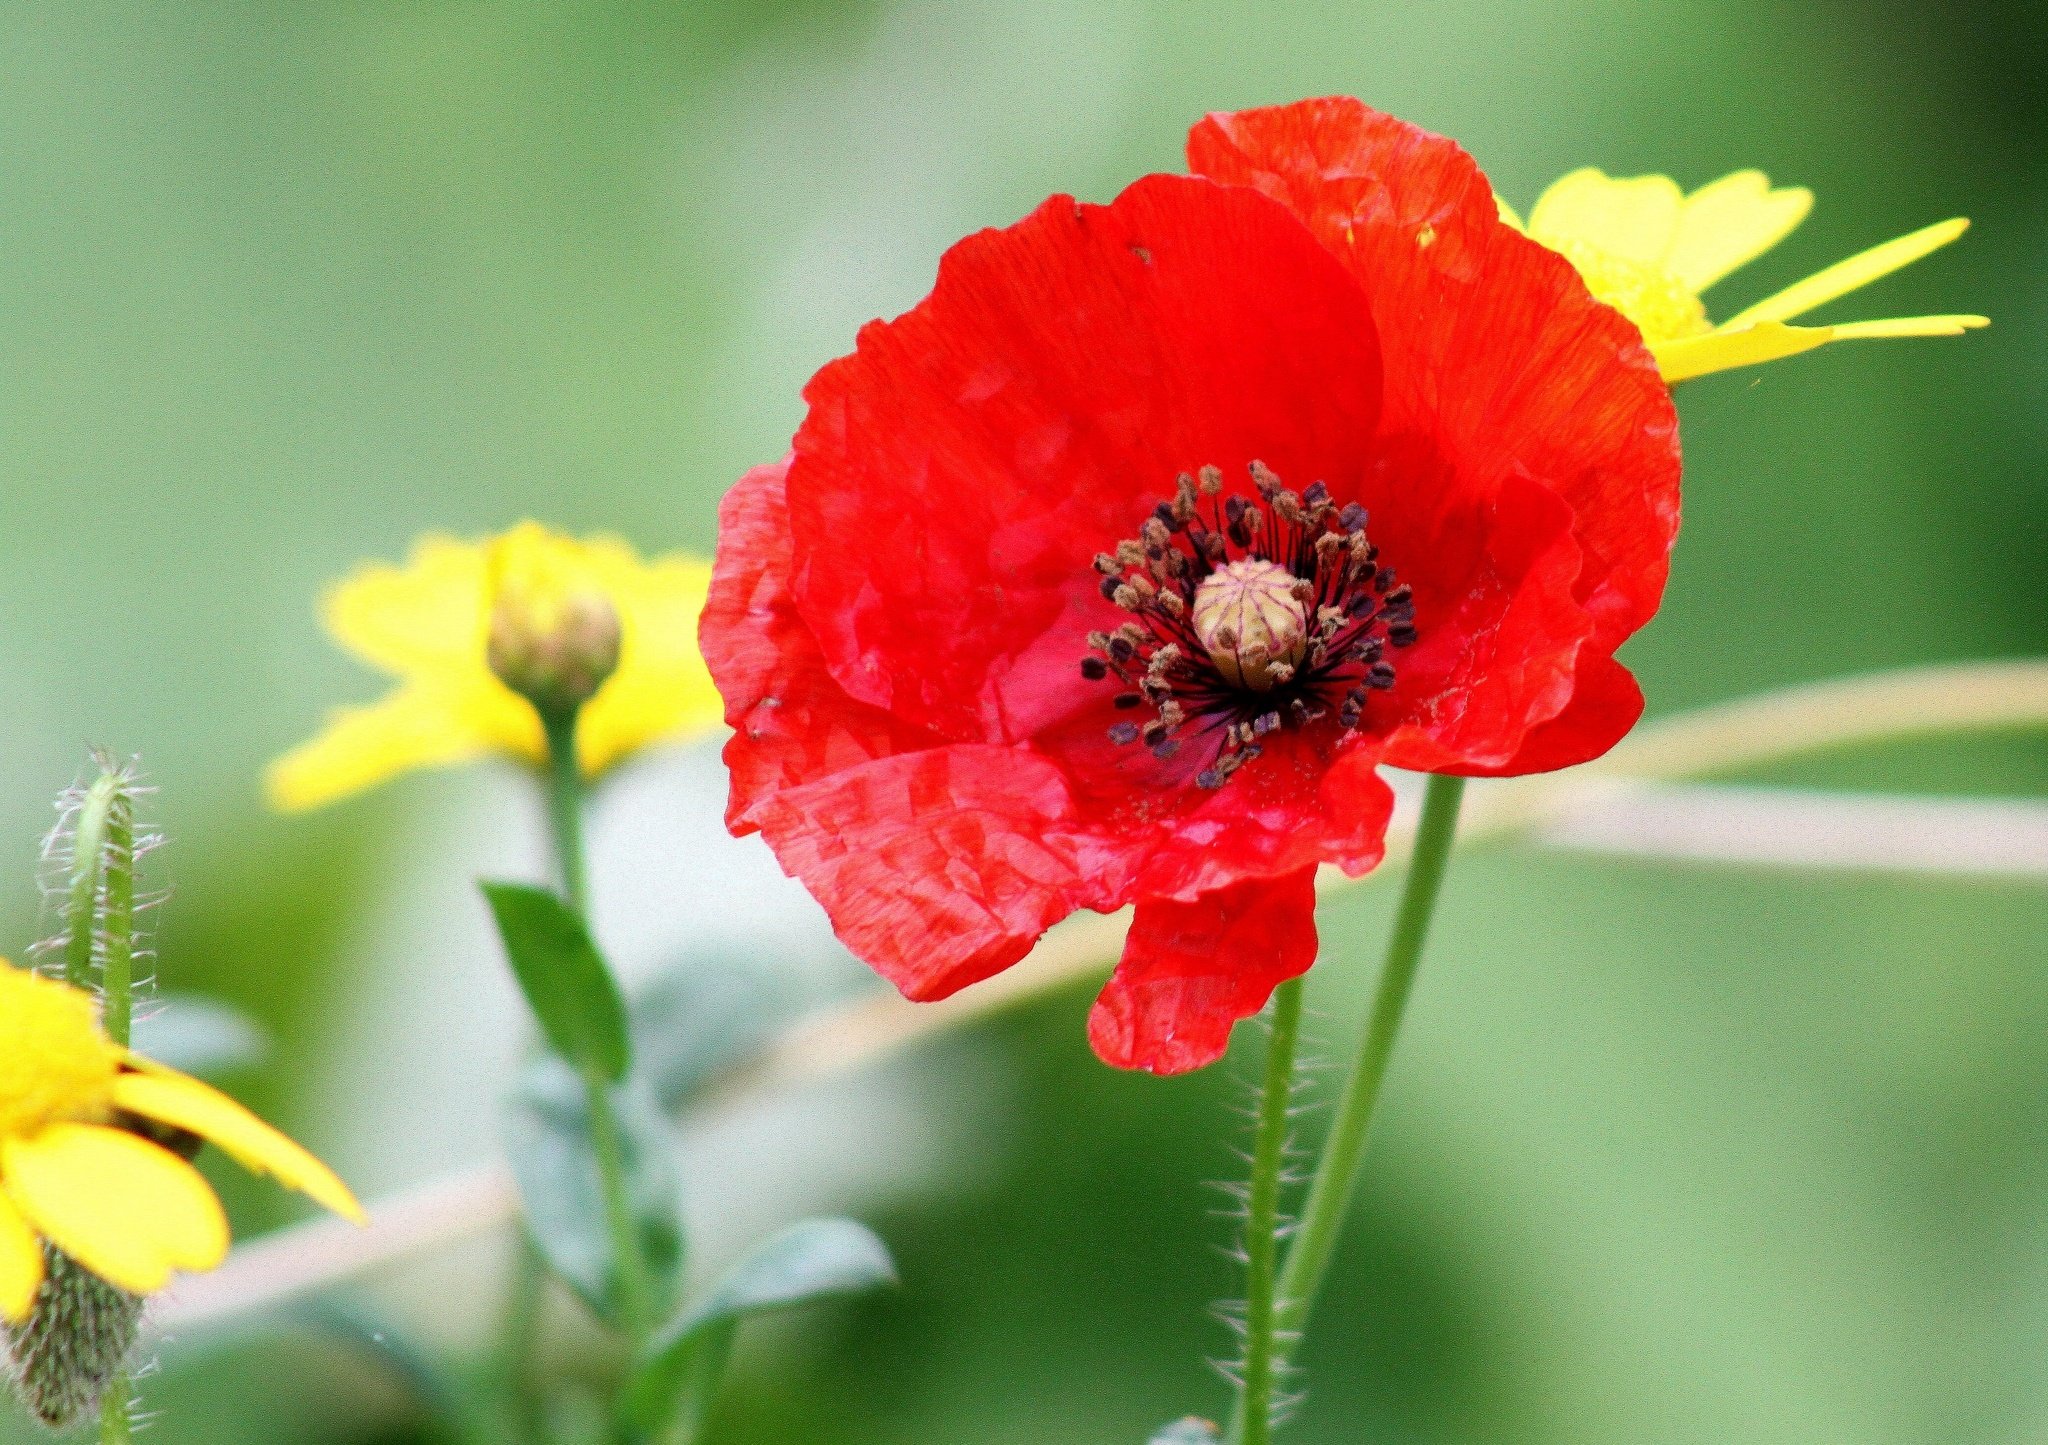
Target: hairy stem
1262,1221
1336,1176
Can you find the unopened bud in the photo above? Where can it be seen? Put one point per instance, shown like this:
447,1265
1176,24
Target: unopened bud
554,634
1255,629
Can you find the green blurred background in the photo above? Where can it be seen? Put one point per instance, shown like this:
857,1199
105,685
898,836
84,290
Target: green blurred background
1670,1154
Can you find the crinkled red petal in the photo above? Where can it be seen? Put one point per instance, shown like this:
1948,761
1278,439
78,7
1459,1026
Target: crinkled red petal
1191,970
940,867
1496,357
956,474
792,724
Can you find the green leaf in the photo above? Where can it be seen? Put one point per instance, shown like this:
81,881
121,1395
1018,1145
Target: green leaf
1190,1431
200,1036
564,978
678,1375
555,1166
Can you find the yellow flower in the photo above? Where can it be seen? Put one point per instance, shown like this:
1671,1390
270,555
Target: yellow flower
536,605
129,1210
1649,251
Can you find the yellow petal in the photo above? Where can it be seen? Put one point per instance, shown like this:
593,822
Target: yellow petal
661,690
1909,326
130,1212
184,1103
417,726
21,1264
1634,218
1730,222
426,616
1846,276
1725,348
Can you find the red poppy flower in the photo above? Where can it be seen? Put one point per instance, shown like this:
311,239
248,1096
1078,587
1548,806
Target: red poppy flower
1112,571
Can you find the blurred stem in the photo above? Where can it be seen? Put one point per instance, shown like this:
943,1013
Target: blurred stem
1336,1177
562,782
117,961
565,808
88,852
1262,1219
636,1293
114,1426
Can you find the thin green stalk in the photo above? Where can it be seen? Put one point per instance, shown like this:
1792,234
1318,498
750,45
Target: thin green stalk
114,1425
636,1291
565,809
117,957
1262,1220
88,853
1336,1177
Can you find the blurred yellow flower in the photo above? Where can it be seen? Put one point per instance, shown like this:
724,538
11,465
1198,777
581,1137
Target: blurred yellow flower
129,1210
1649,251
560,616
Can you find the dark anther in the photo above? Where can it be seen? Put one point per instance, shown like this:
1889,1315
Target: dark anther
1124,733
1122,649
1361,606
1165,748
1125,701
1402,634
1317,494
1094,669
1384,581
1107,587
1353,518
1209,778
1379,676
1264,723
1167,517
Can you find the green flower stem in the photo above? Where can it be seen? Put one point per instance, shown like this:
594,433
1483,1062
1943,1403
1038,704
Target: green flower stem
565,809
1262,1219
114,1426
1329,1197
565,813
88,852
636,1291
117,959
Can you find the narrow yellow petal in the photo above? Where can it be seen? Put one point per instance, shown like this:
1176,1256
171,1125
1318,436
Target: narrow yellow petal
184,1103
130,1212
1633,218
1725,348
1730,222
422,617
413,727
21,1264
1846,276
1910,326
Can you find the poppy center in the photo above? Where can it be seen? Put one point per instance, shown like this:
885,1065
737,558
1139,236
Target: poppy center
1248,614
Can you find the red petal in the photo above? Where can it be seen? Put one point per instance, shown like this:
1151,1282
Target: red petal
1191,970
792,723
940,867
1605,704
956,474
1493,349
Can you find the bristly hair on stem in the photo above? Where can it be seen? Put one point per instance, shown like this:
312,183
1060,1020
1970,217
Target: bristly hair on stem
90,860
1258,1371
70,1361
